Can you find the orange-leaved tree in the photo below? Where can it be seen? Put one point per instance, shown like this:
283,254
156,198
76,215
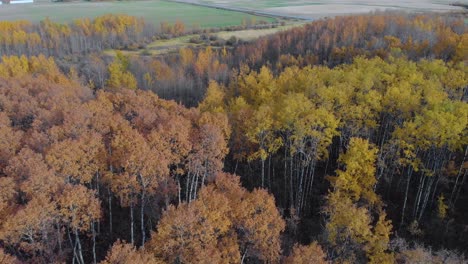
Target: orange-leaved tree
225,224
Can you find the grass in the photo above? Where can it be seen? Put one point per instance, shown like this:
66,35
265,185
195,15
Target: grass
252,34
159,47
155,11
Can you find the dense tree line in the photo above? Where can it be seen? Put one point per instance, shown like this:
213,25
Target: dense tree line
329,42
80,37
184,77
339,40
349,136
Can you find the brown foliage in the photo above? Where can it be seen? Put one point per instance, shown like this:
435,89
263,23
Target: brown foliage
123,253
7,259
225,222
312,254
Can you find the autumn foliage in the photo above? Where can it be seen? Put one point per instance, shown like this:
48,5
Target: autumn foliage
349,136
227,223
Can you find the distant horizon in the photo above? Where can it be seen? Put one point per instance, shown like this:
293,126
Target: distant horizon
14,2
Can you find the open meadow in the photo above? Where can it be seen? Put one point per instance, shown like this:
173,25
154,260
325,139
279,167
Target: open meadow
155,11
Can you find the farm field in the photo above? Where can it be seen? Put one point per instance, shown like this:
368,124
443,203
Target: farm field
322,8
155,11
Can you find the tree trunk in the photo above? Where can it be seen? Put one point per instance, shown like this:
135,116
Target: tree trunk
417,201
410,172
291,180
263,173
459,189
179,188
80,251
300,189
435,189
94,242
59,239
285,175
131,222
269,172
110,211
187,194
142,216
205,173
243,256
196,186
73,245
452,196
426,198
311,176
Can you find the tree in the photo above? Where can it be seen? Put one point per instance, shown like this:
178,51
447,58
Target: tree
225,224
350,206
33,229
32,175
214,99
209,141
312,254
78,209
119,76
122,253
378,247
348,227
441,207
179,28
357,181
9,140
140,169
260,131
261,225
97,70
78,161
8,193
192,232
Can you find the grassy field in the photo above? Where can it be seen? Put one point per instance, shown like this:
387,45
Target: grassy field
252,34
155,11
159,47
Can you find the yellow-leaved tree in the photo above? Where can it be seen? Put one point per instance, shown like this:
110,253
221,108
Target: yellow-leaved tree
353,204
119,75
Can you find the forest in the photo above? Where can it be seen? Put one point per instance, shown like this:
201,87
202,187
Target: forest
341,141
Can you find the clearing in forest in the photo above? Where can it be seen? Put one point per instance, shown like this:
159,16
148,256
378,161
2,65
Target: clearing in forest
166,46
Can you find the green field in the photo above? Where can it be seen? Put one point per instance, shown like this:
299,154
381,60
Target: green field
155,11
